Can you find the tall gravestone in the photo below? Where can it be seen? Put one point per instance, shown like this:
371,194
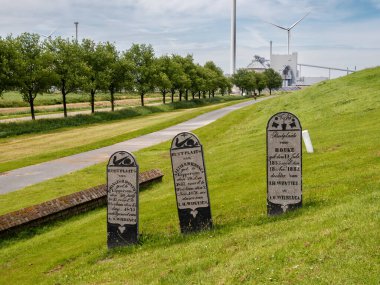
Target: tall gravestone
122,199
190,183
284,163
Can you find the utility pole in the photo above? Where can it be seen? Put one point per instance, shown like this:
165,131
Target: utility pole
233,38
76,31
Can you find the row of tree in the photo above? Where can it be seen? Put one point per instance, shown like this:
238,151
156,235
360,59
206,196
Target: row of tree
32,67
249,81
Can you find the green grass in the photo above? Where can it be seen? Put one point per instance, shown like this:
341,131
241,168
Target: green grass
333,239
24,150
46,125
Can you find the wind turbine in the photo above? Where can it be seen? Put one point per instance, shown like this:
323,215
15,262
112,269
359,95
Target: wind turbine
49,36
290,28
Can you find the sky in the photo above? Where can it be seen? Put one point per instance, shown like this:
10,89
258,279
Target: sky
336,33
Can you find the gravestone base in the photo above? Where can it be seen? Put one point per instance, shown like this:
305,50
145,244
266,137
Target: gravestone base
189,223
278,209
129,237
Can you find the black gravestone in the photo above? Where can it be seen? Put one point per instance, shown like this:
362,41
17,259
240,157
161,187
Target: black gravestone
190,183
122,199
284,163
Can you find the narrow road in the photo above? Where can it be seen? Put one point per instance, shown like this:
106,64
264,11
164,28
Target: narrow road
22,177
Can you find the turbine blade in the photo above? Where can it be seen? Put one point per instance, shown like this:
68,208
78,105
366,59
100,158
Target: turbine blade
292,26
52,32
277,26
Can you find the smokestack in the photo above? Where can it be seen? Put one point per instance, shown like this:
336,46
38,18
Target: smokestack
233,38
76,31
270,50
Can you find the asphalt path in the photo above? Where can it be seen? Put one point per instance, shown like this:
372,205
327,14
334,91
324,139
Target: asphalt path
19,178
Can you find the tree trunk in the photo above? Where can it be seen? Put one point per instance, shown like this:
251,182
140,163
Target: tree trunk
172,95
199,94
112,91
31,103
193,94
270,91
204,94
213,93
187,95
93,101
163,96
180,95
64,103
142,99
209,94
63,91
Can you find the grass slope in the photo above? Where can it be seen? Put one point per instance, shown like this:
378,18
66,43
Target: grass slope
333,239
29,149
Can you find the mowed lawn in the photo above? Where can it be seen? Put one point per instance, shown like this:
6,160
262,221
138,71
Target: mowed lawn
333,239
28,149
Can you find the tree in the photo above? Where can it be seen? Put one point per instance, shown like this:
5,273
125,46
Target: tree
183,81
240,79
162,79
216,77
34,73
118,72
97,58
261,82
8,63
143,73
69,66
226,86
198,81
273,78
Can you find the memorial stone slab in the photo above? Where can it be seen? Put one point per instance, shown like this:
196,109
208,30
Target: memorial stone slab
122,199
284,163
190,183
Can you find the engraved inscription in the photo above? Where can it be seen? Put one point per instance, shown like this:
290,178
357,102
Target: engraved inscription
189,178
122,196
284,160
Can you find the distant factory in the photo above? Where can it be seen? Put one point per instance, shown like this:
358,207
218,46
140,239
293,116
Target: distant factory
285,64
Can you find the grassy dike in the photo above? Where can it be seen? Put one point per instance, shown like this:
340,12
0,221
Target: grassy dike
86,132
333,239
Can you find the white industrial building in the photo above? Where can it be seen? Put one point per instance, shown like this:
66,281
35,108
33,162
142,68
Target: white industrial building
287,65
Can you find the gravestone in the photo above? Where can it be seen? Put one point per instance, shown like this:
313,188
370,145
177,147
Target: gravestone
190,183
284,163
122,199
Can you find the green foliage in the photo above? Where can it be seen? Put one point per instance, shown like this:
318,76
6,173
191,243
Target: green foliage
245,80
92,67
8,63
142,60
163,67
118,72
99,58
69,66
34,73
274,79
261,82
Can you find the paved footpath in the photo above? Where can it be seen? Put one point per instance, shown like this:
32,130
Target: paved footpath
22,177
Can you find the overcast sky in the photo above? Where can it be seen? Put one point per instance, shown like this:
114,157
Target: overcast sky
337,33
